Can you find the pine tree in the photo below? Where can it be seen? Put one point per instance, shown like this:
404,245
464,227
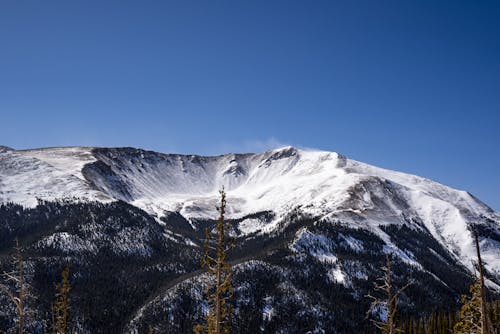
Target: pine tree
219,294
389,303
61,304
474,318
16,288
421,327
496,316
485,321
470,314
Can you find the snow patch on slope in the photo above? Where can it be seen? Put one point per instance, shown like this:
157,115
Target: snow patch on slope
316,245
25,178
70,160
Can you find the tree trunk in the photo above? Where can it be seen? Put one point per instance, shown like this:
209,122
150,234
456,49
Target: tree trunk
217,300
390,306
484,315
21,289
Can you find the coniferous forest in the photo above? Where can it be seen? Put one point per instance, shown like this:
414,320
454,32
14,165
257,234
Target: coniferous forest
145,283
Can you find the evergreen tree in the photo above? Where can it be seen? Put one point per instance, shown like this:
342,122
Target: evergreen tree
388,304
219,294
474,317
496,311
421,327
470,314
495,316
485,321
61,304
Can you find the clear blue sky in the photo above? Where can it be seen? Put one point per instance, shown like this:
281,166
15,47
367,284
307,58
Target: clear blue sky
407,85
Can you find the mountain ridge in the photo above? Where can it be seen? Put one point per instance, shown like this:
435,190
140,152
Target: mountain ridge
313,222
321,183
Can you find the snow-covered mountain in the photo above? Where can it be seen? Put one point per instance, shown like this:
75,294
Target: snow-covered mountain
302,215
322,184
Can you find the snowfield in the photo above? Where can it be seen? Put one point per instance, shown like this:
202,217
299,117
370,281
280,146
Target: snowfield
318,183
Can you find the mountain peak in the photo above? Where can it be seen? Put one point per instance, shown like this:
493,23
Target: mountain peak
5,148
322,184
285,148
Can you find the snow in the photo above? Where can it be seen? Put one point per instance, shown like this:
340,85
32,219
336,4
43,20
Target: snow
321,184
67,159
275,180
268,309
251,225
67,243
337,275
316,245
26,176
352,243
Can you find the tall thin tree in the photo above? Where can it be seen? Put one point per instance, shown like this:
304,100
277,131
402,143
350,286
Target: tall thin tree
473,317
61,306
485,323
388,303
218,320
15,287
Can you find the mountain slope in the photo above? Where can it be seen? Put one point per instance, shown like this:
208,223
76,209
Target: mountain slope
323,184
309,221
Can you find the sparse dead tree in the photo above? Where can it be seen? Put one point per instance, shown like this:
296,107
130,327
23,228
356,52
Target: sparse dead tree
219,294
15,287
388,302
